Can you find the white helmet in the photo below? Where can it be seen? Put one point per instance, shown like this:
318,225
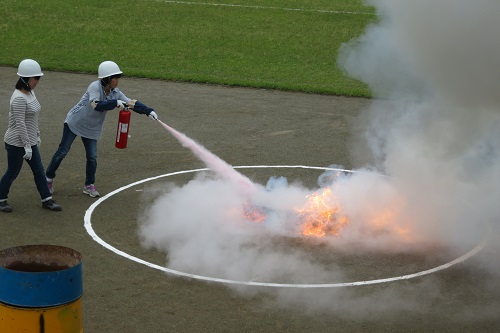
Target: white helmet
29,68
108,68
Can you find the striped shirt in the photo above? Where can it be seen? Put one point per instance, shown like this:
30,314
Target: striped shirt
22,130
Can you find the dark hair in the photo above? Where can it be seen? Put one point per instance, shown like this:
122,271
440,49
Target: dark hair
105,81
22,83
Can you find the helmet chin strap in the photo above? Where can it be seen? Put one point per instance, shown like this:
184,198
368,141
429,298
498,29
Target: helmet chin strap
26,84
105,83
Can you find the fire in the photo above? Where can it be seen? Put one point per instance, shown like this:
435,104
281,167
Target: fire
253,213
322,215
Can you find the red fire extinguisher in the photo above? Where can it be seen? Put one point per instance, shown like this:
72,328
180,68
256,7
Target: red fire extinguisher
123,128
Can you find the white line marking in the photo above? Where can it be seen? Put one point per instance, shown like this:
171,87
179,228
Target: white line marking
91,232
264,7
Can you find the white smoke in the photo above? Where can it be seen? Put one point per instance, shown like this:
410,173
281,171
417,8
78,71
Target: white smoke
433,139
203,228
437,133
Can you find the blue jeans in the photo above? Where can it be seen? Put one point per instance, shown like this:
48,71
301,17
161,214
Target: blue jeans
90,150
15,163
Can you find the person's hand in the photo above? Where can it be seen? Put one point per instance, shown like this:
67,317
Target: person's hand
28,153
38,141
153,116
120,104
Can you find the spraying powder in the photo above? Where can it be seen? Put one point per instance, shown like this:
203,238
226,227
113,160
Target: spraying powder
213,162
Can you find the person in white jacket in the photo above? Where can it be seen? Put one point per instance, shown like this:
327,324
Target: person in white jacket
86,119
22,137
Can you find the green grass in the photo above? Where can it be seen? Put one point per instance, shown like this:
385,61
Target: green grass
260,43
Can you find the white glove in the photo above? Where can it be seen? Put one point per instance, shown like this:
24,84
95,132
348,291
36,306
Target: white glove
153,116
38,141
28,153
120,104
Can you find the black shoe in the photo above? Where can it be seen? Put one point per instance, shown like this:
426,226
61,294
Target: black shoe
4,207
51,204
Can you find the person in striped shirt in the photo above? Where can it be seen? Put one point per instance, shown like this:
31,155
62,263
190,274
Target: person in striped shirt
22,137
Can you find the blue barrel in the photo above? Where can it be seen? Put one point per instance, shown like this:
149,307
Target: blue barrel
40,285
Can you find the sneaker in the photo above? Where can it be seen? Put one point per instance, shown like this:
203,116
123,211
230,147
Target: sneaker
90,190
4,207
51,187
51,204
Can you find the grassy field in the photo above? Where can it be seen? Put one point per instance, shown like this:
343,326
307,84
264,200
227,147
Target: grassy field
278,44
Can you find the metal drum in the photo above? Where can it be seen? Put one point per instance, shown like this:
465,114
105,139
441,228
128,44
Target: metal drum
40,289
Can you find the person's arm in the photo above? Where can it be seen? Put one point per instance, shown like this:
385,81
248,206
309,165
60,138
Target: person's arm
142,109
139,107
18,111
94,92
106,105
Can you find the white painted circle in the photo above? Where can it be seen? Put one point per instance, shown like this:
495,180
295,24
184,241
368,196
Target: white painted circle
91,232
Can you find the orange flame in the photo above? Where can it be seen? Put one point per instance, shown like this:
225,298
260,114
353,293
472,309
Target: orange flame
322,215
253,213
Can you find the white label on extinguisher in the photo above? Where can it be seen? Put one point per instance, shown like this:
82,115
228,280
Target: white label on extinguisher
124,128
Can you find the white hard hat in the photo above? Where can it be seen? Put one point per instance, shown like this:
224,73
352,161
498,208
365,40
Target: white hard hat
29,68
108,68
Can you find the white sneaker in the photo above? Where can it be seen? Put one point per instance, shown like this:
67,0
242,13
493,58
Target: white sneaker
90,190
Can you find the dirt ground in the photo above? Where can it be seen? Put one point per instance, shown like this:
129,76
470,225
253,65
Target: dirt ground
244,127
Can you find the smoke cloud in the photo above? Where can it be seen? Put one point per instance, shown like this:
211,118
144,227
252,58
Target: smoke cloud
429,157
436,133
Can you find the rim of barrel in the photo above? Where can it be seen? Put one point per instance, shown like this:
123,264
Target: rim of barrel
41,254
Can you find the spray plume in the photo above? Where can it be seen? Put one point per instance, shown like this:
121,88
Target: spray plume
212,161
